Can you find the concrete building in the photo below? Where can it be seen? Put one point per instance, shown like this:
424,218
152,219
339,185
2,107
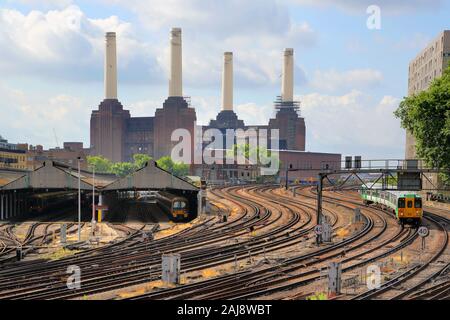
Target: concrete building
423,69
428,65
311,162
12,156
67,155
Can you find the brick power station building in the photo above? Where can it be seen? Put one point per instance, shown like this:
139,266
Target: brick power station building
117,136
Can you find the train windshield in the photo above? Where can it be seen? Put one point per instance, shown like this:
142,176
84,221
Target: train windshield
179,205
410,204
417,203
401,202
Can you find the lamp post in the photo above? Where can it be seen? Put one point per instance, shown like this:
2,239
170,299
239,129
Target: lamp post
93,195
79,199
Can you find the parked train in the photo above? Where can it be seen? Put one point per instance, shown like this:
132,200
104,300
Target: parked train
407,205
46,202
176,206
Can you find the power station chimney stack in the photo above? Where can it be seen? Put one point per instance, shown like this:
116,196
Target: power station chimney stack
227,81
287,84
110,66
175,80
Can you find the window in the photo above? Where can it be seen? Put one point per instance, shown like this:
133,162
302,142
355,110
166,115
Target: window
417,203
179,205
401,202
410,204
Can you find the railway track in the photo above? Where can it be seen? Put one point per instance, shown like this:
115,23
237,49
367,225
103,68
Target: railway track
279,223
227,290
144,268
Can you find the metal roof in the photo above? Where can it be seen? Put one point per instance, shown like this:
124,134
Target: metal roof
151,177
53,175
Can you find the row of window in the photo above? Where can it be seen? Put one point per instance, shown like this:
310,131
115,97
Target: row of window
409,203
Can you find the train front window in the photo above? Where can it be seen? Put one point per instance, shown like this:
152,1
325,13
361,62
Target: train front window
179,205
417,203
401,202
410,204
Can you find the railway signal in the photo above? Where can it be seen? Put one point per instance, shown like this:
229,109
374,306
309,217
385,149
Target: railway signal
423,232
318,229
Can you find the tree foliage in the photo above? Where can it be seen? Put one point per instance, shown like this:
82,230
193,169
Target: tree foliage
262,155
100,164
427,116
122,169
177,168
140,160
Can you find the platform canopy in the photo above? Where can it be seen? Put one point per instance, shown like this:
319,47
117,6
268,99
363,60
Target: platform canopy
53,175
151,177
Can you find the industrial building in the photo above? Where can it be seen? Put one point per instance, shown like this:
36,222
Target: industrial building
117,136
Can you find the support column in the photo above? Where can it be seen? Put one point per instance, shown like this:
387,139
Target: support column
6,206
15,204
1,207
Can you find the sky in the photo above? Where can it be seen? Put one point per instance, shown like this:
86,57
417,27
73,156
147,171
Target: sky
349,78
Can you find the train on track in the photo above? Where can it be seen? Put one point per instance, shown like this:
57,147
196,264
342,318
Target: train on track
46,202
406,205
175,206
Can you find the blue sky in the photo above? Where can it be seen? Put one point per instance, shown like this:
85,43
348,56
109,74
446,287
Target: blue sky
349,79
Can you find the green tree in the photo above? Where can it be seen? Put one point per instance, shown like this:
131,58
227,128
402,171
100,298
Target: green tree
263,155
427,116
178,169
140,160
122,169
100,163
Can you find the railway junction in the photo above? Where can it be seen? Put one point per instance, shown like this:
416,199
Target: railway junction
254,242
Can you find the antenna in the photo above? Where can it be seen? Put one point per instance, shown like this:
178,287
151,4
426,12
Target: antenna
56,138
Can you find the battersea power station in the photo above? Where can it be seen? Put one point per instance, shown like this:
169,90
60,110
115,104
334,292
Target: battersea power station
116,135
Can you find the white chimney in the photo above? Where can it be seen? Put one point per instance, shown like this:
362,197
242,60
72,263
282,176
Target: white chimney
110,66
175,80
227,81
287,84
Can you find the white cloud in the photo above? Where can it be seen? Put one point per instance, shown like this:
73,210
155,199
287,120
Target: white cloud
386,6
353,123
256,31
254,114
44,4
31,119
332,80
66,44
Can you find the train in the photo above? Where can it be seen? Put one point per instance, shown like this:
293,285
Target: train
176,206
46,202
406,205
